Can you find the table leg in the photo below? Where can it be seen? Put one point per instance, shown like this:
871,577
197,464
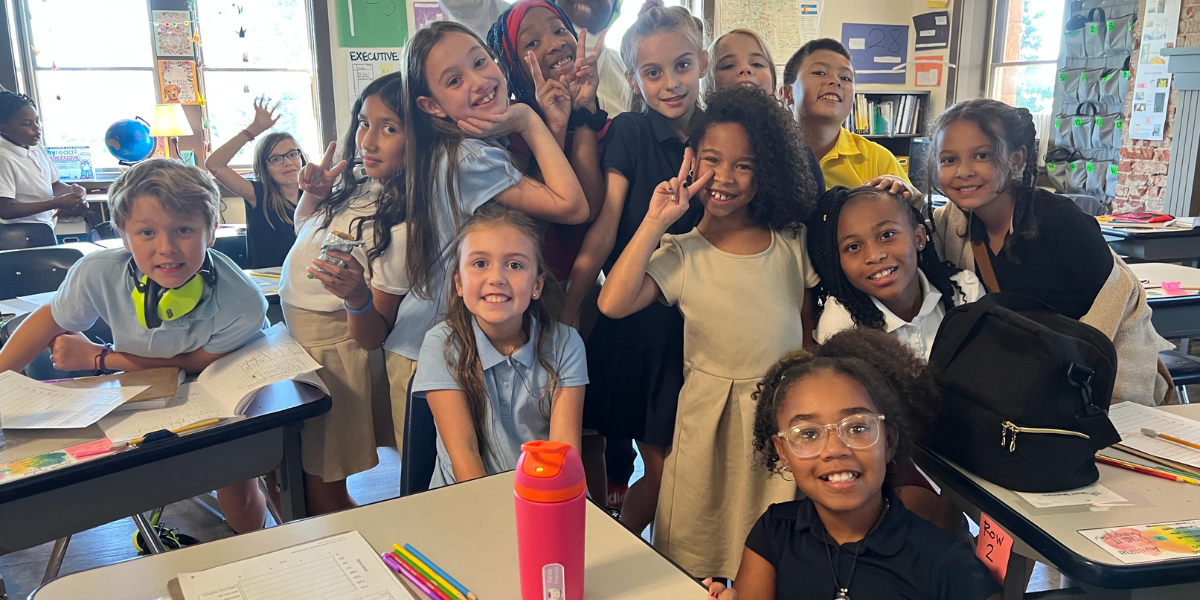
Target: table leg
149,535
289,476
56,558
1016,578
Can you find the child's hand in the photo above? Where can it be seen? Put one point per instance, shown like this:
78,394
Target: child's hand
264,115
74,352
515,118
718,591
584,82
347,283
894,185
318,179
671,198
552,96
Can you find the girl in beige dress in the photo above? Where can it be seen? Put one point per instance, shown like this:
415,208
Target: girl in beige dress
741,280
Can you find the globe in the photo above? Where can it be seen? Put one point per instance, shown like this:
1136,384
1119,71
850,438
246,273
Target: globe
129,140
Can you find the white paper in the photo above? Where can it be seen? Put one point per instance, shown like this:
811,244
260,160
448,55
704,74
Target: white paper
364,65
341,567
928,78
1129,419
272,357
16,307
1092,494
858,43
888,59
29,404
189,405
927,32
39,299
941,21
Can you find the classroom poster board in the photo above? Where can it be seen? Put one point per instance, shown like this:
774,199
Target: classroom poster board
929,70
933,30
74,162
365,66
1136,544
876,50
372,23
1152,87
173,33
427,12
177,79
785,25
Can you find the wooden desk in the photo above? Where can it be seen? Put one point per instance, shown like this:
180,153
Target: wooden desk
1174,317
57,503
1154,245
468,529
1050,535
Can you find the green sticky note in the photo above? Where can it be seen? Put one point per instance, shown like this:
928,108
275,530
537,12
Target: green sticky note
1112,169
1091,29
1051,167
1058,122
1107,77
1120,124
1099,120
1072,166
372,23
1078,121
1125,74
1091,168
1062,76
1083,76
1111,26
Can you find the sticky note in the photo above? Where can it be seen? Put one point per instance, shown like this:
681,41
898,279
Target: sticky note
101,446
858,43
994,547
941,20
1172,288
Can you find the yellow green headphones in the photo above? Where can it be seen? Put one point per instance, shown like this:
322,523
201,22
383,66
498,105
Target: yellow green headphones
155,304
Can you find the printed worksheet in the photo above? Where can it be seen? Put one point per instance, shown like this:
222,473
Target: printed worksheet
1091,495
189,405
30,404
272,357
1129,419
1134,544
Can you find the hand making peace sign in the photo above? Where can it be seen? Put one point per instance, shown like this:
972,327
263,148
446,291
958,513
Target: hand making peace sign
584,82
552,95
671,198
318,179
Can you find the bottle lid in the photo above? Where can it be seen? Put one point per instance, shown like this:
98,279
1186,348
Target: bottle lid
549,472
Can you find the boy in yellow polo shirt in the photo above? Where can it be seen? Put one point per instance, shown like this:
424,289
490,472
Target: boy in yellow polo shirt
818,87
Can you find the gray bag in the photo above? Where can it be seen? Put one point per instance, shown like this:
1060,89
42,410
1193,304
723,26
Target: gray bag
1097,178
1107,131
1073,43
1063,132
1077,176
1069,87
1118,38
1114,86
1094,33
1057,169
1110,181
1082,126
1089,85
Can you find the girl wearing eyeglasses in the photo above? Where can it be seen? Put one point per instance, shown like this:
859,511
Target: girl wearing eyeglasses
837,421
272,195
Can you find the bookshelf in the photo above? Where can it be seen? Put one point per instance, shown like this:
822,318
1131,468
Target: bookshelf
895,119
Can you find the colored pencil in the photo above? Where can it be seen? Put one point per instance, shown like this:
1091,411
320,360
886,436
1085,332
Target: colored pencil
430,576
1145,470
394,564
1170,438
1159,467
462,589
261,274
184,429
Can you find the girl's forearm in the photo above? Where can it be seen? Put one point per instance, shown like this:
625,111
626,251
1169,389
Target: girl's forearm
556,170
585,160
624,283
371,328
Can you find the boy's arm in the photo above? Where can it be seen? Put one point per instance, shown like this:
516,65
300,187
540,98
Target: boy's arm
33,335
74,352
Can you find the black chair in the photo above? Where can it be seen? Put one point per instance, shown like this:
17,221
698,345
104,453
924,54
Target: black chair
103,231
235,248
418,453
1184,370
31,271
26,235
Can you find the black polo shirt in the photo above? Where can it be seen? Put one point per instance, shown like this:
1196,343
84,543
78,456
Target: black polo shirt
1064,265
905,557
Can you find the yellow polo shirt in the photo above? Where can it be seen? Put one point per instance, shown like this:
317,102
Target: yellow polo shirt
855,160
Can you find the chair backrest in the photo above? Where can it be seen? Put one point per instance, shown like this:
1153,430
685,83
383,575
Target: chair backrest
234,247
26,235
418,452
103,231
42,367
34,270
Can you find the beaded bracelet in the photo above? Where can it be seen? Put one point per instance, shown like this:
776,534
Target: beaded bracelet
359,311
98,366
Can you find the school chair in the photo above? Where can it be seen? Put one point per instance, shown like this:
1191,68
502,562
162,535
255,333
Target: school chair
1184,370
26,235
103,231
418,453
235,248
29,271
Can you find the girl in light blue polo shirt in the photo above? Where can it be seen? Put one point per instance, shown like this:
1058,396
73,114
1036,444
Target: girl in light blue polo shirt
499,371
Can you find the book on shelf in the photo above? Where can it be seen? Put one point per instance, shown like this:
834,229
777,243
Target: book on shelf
885,115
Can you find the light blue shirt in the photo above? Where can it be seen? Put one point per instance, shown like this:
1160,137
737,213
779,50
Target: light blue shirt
484,170
515,386
99,287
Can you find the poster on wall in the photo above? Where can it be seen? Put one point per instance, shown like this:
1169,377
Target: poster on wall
1152,87
929,70
372,23
427,12
876,51
177,80
785,25
74,162
173,33
933,30
368,64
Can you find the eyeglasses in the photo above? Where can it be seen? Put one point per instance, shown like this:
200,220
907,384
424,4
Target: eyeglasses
275,159
857,432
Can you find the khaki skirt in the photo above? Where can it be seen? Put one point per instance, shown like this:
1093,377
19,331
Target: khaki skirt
342,442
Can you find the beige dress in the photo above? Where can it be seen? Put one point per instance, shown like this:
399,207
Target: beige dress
741,313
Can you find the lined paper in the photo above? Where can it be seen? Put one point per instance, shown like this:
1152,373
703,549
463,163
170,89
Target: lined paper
1129,418
269,358
189,405
29,404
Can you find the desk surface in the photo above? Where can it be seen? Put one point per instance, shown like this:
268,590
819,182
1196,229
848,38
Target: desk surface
1053,532
468,529
1148,233
1156,273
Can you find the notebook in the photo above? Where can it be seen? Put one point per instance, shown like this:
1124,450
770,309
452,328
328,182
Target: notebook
1129,419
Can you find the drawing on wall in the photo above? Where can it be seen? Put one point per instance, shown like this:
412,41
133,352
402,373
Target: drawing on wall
878,52
178,81
173,33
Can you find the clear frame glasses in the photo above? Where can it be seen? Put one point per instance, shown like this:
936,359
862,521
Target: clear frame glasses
857,432
275,159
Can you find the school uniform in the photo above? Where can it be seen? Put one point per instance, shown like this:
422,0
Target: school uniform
268,236
905,557
99,286
917,334
515,385
855,160
27,175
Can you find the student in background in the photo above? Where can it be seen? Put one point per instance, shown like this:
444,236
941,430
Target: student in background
818,87
1036,243
740,278
271,197
499,371
30,191
836,419
342,313
166,213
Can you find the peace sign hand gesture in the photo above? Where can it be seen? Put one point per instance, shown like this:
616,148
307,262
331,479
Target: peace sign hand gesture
318,179
671,198
552,96
584,82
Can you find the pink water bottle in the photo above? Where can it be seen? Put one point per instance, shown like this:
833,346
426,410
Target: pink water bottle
550,497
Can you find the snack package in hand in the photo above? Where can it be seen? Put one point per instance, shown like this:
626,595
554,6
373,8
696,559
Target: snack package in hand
341,242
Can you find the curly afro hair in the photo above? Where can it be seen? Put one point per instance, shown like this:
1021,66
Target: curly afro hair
787,193
898,382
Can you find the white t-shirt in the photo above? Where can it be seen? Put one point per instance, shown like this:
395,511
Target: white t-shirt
919,334
388,274
27,175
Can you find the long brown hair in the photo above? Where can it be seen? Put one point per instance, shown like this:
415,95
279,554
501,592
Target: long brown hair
461,351
273,199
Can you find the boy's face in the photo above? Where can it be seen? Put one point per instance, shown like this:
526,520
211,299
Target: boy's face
167,247
824,88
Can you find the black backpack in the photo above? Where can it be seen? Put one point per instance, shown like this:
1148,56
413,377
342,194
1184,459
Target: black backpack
1026,394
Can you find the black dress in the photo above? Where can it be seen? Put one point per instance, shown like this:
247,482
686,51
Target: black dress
268,237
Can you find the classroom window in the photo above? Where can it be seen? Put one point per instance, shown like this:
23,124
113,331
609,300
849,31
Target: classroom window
1025,44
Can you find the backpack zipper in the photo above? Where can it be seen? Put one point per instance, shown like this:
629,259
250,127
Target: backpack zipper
1009,431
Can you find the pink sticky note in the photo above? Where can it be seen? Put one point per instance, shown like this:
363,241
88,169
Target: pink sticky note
994,547
101,446
1171,288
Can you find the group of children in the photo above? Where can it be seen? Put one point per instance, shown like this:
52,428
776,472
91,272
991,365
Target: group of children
757,335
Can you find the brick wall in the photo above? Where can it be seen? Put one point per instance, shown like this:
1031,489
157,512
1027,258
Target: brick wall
1143,168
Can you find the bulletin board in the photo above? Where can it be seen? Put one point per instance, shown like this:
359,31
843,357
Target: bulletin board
372,23
875,50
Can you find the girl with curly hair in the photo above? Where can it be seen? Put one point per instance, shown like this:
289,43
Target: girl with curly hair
751,176
839,419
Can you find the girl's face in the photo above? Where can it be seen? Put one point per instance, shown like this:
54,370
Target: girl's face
725,150
741,60
967,168
497,275
23,129
463,80
284,170
668,73
878,246
542,32
826,85
839,479
381,139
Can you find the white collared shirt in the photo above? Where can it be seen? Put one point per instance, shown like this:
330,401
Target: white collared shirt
27,175
918,334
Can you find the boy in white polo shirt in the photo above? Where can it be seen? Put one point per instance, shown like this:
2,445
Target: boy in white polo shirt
170,300
30,191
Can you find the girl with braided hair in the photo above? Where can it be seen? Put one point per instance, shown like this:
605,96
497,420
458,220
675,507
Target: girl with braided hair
30,191
1022,239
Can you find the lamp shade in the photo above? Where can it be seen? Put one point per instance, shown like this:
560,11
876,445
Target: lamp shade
169,121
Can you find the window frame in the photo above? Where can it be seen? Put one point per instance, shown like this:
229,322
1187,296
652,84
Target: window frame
999,35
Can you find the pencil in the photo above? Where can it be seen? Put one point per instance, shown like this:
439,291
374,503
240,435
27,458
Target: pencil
1144,470
462,589
401,569
1169,438
185,428
1159,467
261,274
425,572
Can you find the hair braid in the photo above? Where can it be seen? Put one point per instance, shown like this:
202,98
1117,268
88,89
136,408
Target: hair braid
11,102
